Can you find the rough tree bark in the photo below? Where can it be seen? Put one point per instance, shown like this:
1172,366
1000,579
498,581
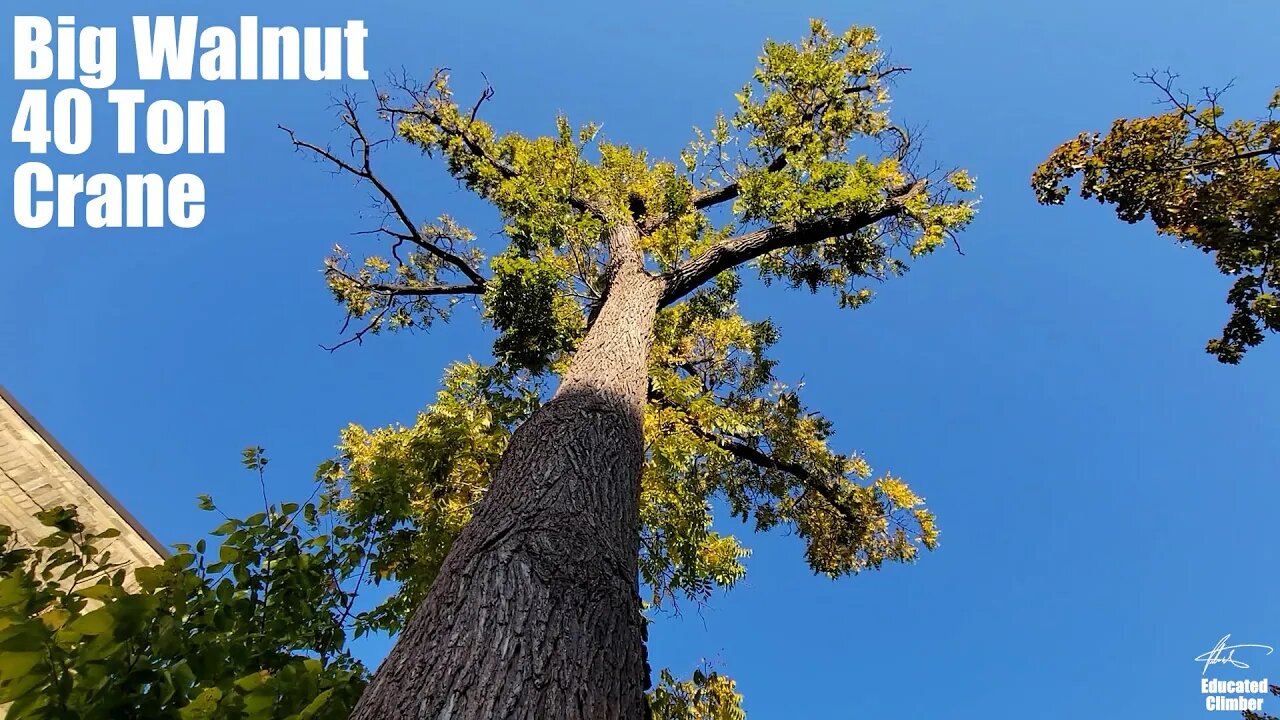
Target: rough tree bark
535,613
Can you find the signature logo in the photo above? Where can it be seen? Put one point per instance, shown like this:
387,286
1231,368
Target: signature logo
1222,653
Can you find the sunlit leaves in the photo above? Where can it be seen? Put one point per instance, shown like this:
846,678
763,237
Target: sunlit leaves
414,487
811,139
721,423
804,96
536,321
809,145
412,286
1204,181
706,695
259,634
719,428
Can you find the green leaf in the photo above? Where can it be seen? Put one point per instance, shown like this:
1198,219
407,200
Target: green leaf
226,528
13,593
316,705
95,622
35,678
260,704
15,665
249,683
22,637
150,578
55,618
204,706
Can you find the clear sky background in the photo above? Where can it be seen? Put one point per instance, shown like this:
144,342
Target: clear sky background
1106,491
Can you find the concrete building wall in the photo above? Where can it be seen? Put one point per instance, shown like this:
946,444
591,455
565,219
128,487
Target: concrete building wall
36,472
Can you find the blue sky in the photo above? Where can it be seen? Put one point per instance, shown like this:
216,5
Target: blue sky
1103,486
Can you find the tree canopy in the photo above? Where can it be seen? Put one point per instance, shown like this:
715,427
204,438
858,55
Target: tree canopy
1200,178
809,178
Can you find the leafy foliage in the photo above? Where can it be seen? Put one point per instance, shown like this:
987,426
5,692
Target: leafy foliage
798,149
536,322
707,695
720,424
1203,180
412,489
256,629
262,632
807,180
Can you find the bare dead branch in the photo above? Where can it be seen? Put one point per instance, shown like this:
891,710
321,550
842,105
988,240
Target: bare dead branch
362,168
358,337
422,110
1185,105
880,76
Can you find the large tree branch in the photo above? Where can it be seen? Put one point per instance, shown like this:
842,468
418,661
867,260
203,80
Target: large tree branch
741,450
826,490
423,111
1198,166
710,197
391,290
362,149
734,251
1273,149
425,291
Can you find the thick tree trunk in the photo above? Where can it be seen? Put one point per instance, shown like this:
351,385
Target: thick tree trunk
535,614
